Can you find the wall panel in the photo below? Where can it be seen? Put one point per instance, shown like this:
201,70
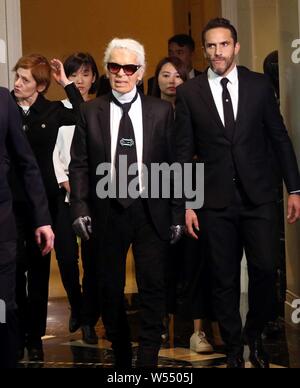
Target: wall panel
58,28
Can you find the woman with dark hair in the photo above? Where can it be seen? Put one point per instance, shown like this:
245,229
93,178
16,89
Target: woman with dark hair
41,120
80,68
169,74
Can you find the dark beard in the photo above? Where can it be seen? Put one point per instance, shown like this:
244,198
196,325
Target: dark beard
222,72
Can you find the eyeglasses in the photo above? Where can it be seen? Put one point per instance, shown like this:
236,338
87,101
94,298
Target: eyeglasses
115,68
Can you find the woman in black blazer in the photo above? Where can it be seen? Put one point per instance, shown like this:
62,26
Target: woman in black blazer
12,138
41,120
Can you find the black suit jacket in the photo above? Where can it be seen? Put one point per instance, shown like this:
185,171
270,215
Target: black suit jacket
42,125
13,144
92,146
259,126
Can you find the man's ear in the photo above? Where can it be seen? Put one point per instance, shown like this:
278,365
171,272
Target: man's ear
141,74
237,48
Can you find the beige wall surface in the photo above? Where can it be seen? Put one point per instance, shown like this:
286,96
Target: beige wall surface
60,27
290,102
258,31
265,31
201,11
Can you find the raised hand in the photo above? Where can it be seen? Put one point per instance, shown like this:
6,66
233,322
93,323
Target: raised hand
58,72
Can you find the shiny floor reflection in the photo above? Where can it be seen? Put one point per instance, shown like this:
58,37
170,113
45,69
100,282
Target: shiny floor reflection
65,350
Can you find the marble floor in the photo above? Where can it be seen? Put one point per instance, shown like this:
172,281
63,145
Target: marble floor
65,350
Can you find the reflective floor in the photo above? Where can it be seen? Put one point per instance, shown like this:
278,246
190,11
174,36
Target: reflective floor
64,350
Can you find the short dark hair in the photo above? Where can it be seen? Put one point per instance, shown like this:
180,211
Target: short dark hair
183,40
179,66
220,23
74,62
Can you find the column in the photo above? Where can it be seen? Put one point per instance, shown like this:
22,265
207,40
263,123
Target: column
3,50
289,60
10,39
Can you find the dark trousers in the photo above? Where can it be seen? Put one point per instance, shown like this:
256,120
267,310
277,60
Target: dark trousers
91,305
83,303
67,254
8,319
32,281
125,227
228,231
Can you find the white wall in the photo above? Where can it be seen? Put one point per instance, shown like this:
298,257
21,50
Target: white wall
10,39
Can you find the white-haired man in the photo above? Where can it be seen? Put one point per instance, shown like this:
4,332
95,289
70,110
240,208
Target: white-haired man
125,124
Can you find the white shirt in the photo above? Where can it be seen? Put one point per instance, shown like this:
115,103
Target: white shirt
217,90
62,150
136,116
25,109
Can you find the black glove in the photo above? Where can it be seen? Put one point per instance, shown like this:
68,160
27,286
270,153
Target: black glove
82,226
176,232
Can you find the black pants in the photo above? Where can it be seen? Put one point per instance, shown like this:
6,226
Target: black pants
133,225
8,321
32,281
67,254
228,231
83,303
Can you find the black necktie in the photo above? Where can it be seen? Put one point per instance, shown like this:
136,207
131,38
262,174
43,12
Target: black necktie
126,146
228,110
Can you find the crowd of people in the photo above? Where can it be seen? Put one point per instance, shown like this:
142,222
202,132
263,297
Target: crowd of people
52,153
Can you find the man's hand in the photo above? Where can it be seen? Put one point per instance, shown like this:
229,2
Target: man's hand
66,186
82,226
293,208
192,224
44,237
176,231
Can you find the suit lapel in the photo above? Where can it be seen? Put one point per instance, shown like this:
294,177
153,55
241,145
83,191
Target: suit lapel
104,118
147,128
208,99
242,104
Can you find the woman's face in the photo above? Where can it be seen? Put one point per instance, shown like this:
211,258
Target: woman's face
83,79
168,80
25,87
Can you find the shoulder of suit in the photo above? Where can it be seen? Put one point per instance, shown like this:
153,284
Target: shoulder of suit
156,102
192,83
96,102
251,75
4,91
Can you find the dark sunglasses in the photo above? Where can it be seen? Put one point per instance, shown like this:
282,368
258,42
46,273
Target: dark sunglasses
115,68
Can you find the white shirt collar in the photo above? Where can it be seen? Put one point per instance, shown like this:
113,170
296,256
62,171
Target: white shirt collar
232,76
125,98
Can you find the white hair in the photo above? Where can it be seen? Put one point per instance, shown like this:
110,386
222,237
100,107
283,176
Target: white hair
127,44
